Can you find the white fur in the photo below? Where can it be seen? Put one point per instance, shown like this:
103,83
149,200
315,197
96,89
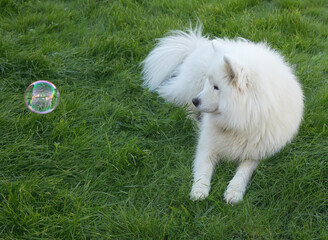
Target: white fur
250,100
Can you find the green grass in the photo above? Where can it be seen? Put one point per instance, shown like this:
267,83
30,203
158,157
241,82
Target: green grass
113,161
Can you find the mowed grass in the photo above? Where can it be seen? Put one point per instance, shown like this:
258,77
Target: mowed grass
113,161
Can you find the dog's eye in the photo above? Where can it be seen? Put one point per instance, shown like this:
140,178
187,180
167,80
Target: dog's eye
216,87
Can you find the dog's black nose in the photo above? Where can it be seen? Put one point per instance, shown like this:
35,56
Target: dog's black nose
196,101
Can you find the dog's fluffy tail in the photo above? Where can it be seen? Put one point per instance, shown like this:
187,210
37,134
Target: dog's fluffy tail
163,61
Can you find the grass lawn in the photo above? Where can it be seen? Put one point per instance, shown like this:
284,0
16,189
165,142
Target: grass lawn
113,161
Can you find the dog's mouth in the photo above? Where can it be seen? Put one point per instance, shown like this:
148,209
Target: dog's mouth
215,112
210,111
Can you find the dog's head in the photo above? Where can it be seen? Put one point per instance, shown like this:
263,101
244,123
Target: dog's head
226,82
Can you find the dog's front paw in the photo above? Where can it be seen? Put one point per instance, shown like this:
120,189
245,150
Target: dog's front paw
233,196
199,193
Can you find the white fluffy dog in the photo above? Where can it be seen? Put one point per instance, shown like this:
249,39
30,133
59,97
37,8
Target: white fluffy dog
250,101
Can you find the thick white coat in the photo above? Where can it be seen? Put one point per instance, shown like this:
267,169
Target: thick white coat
251,101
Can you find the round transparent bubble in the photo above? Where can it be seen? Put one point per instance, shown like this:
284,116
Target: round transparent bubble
42,97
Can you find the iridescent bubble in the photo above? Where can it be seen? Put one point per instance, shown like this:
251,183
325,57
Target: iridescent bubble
41,97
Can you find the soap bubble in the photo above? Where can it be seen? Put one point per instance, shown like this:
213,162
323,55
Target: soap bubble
41,97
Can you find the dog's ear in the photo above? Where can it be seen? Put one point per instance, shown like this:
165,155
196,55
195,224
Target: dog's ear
237,74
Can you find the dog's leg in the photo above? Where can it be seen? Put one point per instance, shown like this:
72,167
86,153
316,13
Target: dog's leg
203,167
237,186
203,170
